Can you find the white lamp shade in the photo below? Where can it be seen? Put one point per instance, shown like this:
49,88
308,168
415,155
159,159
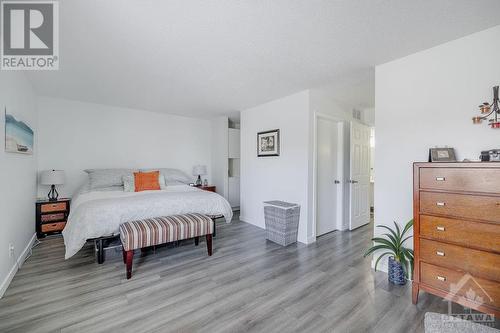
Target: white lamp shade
52,177
199,170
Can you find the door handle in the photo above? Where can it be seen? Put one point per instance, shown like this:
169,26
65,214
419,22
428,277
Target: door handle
336,181
353,181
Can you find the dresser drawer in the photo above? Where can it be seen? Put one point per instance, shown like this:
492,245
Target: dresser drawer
53,217
475,234
475,262
460,179
59,226
485,208
478,290
53,207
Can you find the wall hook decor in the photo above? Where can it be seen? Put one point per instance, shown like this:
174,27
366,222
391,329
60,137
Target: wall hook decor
488,110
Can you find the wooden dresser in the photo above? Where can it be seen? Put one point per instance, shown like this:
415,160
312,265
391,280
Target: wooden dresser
457,233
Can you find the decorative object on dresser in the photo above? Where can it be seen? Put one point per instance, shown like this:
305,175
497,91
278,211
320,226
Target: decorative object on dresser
488,110
52,178
457,233
209,188
400,257
492,155
199,170
268,143
51,216
442,155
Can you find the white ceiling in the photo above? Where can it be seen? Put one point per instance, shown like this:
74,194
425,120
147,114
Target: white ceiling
200,58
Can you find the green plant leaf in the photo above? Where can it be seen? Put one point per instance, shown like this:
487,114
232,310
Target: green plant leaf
386,242
398,231
375,248
407,227
380,257
404,240
390,230
391,237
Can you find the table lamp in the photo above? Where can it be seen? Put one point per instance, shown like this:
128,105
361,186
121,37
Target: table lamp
199,170
52,178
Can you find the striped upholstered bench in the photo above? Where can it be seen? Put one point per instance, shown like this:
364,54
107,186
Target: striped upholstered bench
160,230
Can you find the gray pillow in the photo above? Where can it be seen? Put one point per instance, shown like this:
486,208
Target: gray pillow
99,178
172,176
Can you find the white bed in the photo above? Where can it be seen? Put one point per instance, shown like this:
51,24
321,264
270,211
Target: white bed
97,214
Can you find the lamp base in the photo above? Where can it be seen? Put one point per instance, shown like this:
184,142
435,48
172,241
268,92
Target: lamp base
53,194
198,181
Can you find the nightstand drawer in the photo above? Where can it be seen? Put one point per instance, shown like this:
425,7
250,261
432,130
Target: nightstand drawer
53,207
59,226
53,217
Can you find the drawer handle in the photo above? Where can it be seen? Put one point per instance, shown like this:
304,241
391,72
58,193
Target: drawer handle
440,253
441,278
440,179
441,204
440,228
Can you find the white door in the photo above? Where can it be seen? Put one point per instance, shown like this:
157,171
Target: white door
328,171
359,176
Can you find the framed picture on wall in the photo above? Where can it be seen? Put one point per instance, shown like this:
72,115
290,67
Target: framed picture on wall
442,155
18,135
268,143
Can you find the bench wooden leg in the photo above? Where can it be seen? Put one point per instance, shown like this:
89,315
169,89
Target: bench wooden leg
130,257
196,241
209,244
215,231
124,253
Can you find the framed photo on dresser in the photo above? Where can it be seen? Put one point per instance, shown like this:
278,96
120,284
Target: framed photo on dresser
442,155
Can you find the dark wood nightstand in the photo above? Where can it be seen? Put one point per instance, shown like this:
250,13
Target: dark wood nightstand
51,216
210,188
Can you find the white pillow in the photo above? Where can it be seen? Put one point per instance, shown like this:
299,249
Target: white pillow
129,183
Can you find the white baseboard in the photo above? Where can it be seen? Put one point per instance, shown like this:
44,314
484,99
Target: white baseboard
311,239
19,262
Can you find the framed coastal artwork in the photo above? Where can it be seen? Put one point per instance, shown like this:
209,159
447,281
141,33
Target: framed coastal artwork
268,143
18,135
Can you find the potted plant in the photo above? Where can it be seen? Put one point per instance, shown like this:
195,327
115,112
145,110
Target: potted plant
400,257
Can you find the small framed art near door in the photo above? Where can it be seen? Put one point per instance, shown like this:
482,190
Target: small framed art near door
268,143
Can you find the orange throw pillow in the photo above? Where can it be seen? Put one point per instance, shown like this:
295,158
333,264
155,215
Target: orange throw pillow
146,181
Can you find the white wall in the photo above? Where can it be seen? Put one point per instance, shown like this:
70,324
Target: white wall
219,150
428,99
284,177
74,136
17,177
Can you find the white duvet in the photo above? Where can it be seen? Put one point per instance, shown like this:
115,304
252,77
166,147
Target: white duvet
100,213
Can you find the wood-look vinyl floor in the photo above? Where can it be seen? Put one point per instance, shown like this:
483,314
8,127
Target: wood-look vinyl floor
248,285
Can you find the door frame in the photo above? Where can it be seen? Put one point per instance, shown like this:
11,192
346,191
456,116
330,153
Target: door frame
341,173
